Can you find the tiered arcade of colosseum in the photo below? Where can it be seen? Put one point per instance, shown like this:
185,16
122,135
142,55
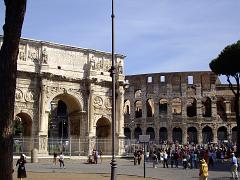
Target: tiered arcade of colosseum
187,107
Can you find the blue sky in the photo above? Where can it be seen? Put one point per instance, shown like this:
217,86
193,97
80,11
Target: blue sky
155,35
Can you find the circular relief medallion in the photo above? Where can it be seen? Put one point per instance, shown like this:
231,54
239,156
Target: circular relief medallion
18,94
98,101
108,103
29,96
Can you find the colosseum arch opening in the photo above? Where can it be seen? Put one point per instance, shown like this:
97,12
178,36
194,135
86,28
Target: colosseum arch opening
234,134
127,133
192,135
207,107
150,131
207,135
176,106
221,108
163,135
138,109
150,107
222,134
163,107
177,135
191,107
137,132
127,108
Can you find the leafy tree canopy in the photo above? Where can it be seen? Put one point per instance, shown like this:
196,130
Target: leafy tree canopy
228,61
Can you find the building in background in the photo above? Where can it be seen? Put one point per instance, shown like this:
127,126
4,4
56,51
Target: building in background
183,107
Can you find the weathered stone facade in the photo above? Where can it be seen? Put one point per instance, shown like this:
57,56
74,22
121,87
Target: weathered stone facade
49,73
65,92
188,107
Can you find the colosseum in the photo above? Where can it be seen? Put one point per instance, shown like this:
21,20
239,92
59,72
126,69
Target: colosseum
63,103
188,107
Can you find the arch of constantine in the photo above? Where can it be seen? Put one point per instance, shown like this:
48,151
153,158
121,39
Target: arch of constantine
64,92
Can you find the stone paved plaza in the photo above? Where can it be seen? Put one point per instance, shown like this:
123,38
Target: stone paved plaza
126,167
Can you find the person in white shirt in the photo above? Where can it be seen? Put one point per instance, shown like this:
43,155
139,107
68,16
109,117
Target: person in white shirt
61,160
234,168
165,159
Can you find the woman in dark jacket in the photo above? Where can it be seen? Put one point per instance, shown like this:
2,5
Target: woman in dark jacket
21,168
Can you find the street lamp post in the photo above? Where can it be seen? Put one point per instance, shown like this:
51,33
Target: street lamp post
113,75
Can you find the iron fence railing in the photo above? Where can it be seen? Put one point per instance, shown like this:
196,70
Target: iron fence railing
79,147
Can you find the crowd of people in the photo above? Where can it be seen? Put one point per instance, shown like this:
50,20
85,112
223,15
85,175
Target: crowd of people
191,156
175,155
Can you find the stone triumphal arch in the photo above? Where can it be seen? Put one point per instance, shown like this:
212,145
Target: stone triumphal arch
64,92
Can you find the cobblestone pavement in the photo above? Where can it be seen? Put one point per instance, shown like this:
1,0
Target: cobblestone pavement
221,171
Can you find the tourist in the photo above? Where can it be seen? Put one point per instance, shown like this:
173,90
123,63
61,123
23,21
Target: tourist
95,156
203,170
234,168
54,158
100,155
176,158
184,161
139,157
135,158
21,168
172,158
165,159
155,159
61,160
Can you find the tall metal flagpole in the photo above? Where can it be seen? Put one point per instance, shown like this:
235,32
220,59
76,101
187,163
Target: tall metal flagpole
113,75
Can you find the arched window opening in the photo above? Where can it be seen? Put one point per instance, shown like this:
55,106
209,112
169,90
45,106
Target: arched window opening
127,107
207,107
207,135
163,136
233,105
176,106
163,106
150,108
222,134
103,128
127,133
137,132
192,135
177,135
191,107
221,108
22,125
150,131
62,119
138,109
138,94
234,134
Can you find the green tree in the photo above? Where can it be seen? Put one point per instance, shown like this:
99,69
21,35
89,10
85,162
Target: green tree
228,63
15,11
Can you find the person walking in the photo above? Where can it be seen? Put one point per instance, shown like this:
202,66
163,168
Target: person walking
61,160
55,158
165,159
21,168
203,170
95,155
154,157
135,157
100,155
234,168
